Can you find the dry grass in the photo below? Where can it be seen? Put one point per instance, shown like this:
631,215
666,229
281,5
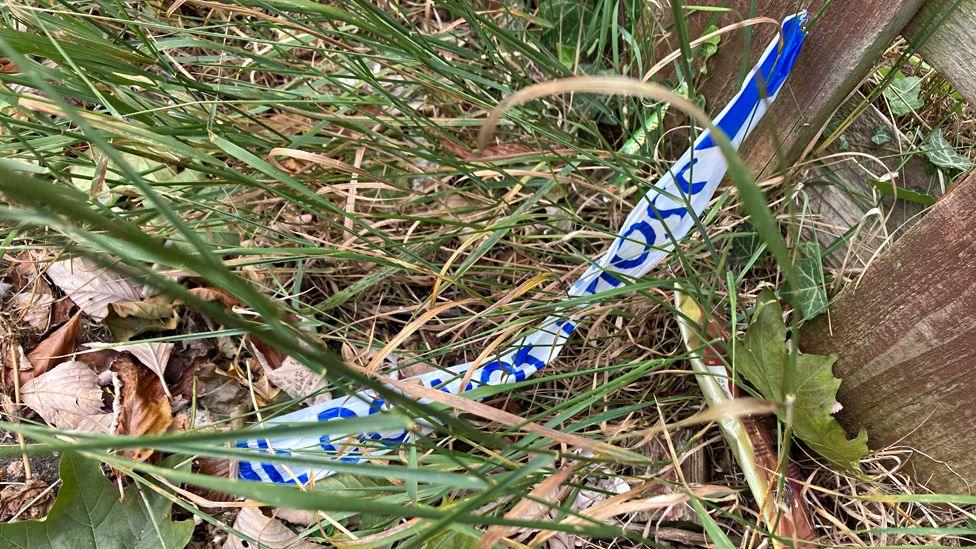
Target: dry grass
417,206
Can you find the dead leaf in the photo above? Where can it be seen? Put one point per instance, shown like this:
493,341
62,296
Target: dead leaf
216,467
91,286
562,540
8,67
54,348
267,355
128,319
213,294
99,361
267,531
145,409
14,358
253,379
33,307
529,507
181,423
61,311
300,517
298,381
27,501
68,397
154,355
288,374
33,301
217,394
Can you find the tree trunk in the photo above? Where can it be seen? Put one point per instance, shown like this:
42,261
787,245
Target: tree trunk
950,47
905,335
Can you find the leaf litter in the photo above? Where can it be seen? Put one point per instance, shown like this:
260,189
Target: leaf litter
92,287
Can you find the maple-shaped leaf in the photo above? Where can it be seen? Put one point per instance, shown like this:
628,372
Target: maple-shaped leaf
88,514
764,360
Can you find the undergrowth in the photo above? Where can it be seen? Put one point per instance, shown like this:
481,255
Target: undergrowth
317,161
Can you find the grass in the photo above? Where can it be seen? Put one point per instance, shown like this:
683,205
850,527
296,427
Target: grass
170,139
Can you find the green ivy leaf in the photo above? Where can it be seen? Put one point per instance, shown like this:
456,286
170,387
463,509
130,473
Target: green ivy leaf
842,142
940,152
881,135
810,292
762,358
744,245
902,95
88,515
708,48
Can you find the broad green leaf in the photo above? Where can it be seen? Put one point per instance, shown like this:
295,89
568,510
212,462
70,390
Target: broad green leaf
708,48
762,359
940,152
902,95
901,193
744,245
881,135
89,514
810,292
567,54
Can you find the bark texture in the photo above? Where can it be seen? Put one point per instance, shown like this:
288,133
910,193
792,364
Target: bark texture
839,53
905,335
949,48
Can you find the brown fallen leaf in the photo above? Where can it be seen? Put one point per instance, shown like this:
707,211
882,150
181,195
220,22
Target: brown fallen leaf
297,381
301,517
256,382
188,358
29,501
15,359
91,286
215,467
217,394
127,319
288,374
33,308
213,294
54,348
529,507
33,299
61,311
153,355
8,67
144,407
99,360
267,531
68,397
266,354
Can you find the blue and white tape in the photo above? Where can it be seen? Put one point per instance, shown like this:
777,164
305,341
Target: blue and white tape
665,214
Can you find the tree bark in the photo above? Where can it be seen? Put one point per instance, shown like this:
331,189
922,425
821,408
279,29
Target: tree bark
949,48
905,335
842,48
